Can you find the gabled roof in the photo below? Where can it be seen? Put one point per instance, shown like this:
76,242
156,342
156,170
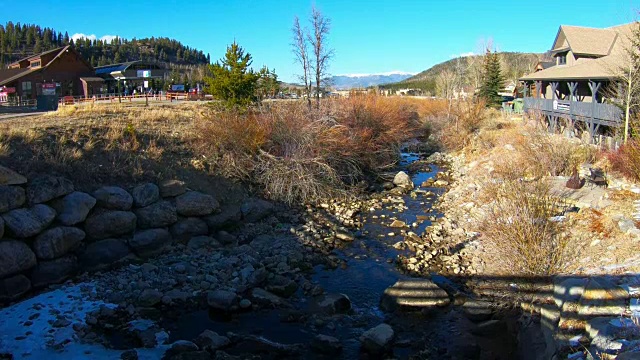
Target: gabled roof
39,55
108,69
584,40
9,75
615,39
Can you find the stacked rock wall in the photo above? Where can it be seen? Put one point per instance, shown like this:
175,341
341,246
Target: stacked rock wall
49,231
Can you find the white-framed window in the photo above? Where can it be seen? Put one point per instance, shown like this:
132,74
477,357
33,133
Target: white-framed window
26,86
562,59
35,64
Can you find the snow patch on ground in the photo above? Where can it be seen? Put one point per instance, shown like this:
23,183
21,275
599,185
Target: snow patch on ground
27,331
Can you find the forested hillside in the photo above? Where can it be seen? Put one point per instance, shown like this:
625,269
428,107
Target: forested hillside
469,69
21,40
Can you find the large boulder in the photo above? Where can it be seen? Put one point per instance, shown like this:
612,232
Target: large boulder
10,177
13,287
264,298
47,187
27,222
15,256
157,215
413,293
602,297
187,228
149,297
403,180
57,241
145,194
11,197
150,242
377,340
194,203
254,210
229,217
114,198
221,300
171,188
103,253
110,223
74,208
53,271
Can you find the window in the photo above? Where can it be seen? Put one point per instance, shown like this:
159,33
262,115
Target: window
35,64
26,86
562,59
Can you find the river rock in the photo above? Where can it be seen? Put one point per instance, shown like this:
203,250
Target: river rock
13,287
172,188
53,271
254,210
187,228
489,327
398,224
110,223
129,355
325,344
57,241
11,197
10,177
403,180
157,215
194,203
413,293
211,341
225,238
334,304
185,350
477,310
74,208
149,297
114,198
150,242
202,242
47,187
601,297
145,194
102,254
377,340
27,222
15,256
344,235
221,299
265,298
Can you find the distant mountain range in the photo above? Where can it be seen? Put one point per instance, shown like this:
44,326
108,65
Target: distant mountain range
351,81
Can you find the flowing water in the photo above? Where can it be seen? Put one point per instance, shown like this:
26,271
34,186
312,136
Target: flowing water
370,269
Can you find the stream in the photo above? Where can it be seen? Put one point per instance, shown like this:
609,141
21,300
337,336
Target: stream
368,269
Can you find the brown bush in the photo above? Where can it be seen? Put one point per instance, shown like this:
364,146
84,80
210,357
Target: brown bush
519,232
456,128
626,159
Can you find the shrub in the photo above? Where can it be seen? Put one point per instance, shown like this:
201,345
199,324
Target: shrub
519,230
626,159
456,128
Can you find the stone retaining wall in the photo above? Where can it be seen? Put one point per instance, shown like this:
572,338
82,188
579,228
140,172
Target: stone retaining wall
49,232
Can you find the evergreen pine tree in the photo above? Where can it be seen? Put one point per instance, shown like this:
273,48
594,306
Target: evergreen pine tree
492,80
231,78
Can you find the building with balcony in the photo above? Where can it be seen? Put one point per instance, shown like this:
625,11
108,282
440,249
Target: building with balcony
577,90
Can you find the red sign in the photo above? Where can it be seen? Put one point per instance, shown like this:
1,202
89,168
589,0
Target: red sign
49,86
8,90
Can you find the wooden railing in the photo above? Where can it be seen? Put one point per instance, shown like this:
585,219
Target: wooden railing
111,98
604,113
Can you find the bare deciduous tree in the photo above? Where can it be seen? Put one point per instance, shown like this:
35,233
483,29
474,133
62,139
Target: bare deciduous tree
302,56
322,54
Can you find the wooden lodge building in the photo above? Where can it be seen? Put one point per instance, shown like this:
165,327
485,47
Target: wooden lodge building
64,72
63,67
575,90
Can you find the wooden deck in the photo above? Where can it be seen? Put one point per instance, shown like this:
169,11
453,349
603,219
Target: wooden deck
595,114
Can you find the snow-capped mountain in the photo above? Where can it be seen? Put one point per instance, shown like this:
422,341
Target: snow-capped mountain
350,81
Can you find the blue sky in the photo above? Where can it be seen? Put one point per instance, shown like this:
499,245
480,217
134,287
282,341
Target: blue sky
367,36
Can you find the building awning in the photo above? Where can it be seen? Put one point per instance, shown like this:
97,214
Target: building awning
92,79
